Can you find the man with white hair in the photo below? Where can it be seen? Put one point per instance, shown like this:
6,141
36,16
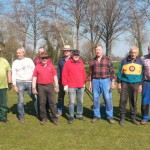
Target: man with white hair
22,71
129,84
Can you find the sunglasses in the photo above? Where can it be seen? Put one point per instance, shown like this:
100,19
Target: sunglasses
44,58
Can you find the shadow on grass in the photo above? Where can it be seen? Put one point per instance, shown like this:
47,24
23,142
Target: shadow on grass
28,107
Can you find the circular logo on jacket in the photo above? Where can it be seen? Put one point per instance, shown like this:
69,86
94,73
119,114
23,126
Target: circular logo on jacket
132,68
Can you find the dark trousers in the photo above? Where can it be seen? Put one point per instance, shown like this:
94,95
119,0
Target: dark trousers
129,90
47,92
3,104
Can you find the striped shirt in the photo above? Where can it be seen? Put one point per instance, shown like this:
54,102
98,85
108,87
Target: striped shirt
101,70
146,63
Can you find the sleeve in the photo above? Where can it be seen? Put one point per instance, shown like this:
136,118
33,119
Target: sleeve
32,65
58,69
90,71
54,70
84,75
35,72
119,73
112,72
65,75
14,73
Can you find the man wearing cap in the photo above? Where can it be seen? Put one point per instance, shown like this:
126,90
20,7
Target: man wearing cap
22,71
67,52
5,83
101,80
43,77
73,80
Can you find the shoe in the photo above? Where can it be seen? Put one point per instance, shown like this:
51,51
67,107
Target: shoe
122,122
143,122
111,121
55,122
43,121
70,121
58,114
21,119
80,118
95,119
135,122
5,121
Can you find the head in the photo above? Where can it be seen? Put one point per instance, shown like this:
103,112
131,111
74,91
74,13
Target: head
41,50
66,50
44,58
149,49
20,53
134,51
75,55
99,50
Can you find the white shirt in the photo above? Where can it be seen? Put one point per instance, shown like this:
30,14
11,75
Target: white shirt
22,70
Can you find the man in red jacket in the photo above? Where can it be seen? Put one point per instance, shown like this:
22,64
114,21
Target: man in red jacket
73,80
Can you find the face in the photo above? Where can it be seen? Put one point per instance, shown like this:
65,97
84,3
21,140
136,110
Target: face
44,60
41,51
67,53
20,54
133,54
75,57
99,51
149,50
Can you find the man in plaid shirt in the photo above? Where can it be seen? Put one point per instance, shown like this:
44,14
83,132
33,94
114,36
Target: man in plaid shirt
101,80
146,88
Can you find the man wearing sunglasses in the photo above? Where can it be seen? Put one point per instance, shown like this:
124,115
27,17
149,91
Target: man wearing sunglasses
43,77
73,80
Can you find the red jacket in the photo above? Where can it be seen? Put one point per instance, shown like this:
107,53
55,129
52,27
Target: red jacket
74,74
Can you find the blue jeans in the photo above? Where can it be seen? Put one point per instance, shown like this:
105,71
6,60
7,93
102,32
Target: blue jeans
73,92
102,86
145,100
22,87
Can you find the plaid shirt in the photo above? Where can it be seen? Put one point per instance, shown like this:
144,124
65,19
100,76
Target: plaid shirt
103,69
146,63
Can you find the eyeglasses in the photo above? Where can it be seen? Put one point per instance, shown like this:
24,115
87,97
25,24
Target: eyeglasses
44,58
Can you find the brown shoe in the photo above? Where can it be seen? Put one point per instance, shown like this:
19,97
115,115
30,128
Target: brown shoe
21,119
55,122
43,121
111,121
5,121
143,122
95,119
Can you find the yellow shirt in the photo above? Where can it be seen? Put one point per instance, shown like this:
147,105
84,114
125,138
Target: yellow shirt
4,68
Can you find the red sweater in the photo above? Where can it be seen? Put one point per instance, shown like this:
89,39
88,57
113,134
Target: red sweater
74,74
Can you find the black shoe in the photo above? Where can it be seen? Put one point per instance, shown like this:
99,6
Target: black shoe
95,119
80,118
5,121
70,121
122,122
135,122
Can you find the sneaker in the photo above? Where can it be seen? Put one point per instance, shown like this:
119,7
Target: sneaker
80,118
21,119
122,122
143,122
55,122
135,122
43,121
70,121
95,119
58,114
5,121
111,121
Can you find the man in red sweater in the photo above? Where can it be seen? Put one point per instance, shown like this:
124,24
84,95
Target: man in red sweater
73,80
43,76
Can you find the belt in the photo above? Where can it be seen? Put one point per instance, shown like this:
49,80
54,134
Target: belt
45,84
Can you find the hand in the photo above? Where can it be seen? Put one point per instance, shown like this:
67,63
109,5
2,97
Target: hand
15,89
140,89
34,91
57,88
119,88
113,85
66,88
9,86
84,86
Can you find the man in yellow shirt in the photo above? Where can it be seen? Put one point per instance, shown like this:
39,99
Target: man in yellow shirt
5,83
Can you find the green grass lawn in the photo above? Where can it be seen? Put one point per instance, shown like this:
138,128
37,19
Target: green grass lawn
81,135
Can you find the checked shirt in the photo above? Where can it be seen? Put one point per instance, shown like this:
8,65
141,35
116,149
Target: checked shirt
101,70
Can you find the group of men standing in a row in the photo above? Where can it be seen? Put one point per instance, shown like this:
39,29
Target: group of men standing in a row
37,79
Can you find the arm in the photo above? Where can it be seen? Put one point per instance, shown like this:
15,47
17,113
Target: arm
90,77
9,80
14,77
34,81
56,84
